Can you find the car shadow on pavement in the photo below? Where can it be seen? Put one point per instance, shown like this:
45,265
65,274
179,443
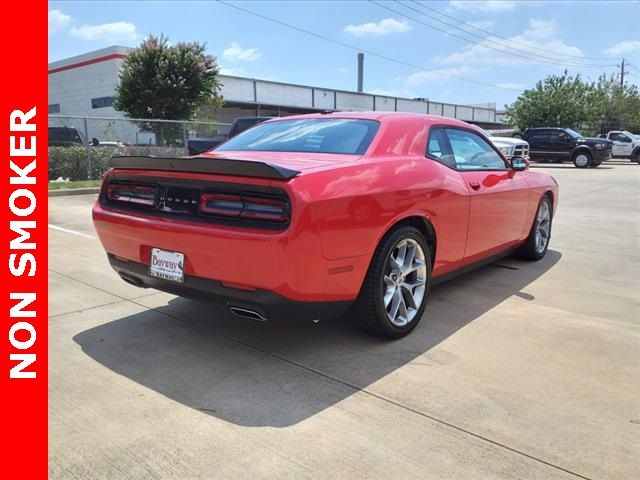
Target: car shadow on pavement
279,373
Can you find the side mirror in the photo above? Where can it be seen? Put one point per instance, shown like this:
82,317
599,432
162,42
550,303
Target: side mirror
95,142
519,163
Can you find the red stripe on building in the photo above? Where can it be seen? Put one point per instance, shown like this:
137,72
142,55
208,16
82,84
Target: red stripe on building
113,56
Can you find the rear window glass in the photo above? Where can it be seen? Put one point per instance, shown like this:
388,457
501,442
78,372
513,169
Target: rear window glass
312,135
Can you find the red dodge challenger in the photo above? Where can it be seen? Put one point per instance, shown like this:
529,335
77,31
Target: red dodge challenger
311,215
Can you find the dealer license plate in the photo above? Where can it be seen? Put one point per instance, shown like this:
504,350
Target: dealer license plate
167,265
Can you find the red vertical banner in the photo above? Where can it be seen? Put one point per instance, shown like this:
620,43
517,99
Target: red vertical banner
23,343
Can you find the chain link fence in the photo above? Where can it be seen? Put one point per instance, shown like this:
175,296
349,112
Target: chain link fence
80,147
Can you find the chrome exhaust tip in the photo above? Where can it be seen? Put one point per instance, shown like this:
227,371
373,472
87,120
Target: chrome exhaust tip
130,279
247,313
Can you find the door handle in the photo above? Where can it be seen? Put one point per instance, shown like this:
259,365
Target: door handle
475,185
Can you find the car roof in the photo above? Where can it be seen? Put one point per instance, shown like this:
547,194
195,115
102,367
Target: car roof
380,116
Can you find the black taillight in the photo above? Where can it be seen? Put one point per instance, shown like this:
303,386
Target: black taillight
132,194
221,204
265,208
262,208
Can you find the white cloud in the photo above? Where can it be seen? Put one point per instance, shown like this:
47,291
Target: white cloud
58,21
540,28
236,53
440,76
237,72
383,27
621,48
539,39
483,5
483,24
109,33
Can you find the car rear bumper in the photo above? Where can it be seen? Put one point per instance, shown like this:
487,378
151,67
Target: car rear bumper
288,263
266,304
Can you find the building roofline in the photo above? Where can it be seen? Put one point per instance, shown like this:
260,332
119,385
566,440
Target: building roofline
73,62
113,56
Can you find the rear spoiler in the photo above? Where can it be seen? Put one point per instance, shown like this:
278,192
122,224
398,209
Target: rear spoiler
221,166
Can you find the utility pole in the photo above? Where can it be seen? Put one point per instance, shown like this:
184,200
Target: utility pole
622,73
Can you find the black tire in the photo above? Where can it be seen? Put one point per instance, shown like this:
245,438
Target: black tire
636,157
576,157
529,250
369,310
594,165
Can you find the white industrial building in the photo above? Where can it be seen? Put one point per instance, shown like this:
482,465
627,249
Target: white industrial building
84,85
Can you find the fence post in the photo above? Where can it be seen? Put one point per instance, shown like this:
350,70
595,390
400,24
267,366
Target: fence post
88,148
185,138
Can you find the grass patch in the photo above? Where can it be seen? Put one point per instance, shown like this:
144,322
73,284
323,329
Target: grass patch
74,184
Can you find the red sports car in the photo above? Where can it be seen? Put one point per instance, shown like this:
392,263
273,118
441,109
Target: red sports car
310,215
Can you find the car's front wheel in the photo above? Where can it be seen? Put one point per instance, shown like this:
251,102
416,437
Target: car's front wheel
394,293
538,240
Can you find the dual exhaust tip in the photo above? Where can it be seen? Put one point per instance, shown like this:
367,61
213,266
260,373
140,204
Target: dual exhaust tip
244,312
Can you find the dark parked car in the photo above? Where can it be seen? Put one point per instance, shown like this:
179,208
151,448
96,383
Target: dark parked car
566,145
72,137
65,137
197,146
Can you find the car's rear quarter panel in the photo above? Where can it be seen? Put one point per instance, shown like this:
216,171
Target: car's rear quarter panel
355,205
355,208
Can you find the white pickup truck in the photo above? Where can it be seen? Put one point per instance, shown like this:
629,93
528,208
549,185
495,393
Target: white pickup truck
509,146
625,144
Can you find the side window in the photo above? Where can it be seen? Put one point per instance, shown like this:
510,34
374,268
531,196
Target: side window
619,137
438,147
539,136
472,152
556,135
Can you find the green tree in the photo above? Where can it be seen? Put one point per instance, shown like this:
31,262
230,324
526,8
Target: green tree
558,100
614,105
169,82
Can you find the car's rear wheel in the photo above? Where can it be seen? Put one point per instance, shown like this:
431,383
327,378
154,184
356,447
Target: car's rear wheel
538,240
394,293
582,159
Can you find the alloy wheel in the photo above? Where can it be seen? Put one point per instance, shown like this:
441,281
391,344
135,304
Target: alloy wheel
405,278
543,226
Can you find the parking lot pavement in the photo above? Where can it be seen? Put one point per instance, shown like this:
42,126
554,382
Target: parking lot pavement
518,370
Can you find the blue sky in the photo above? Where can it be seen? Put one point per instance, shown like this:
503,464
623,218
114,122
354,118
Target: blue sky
500,47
